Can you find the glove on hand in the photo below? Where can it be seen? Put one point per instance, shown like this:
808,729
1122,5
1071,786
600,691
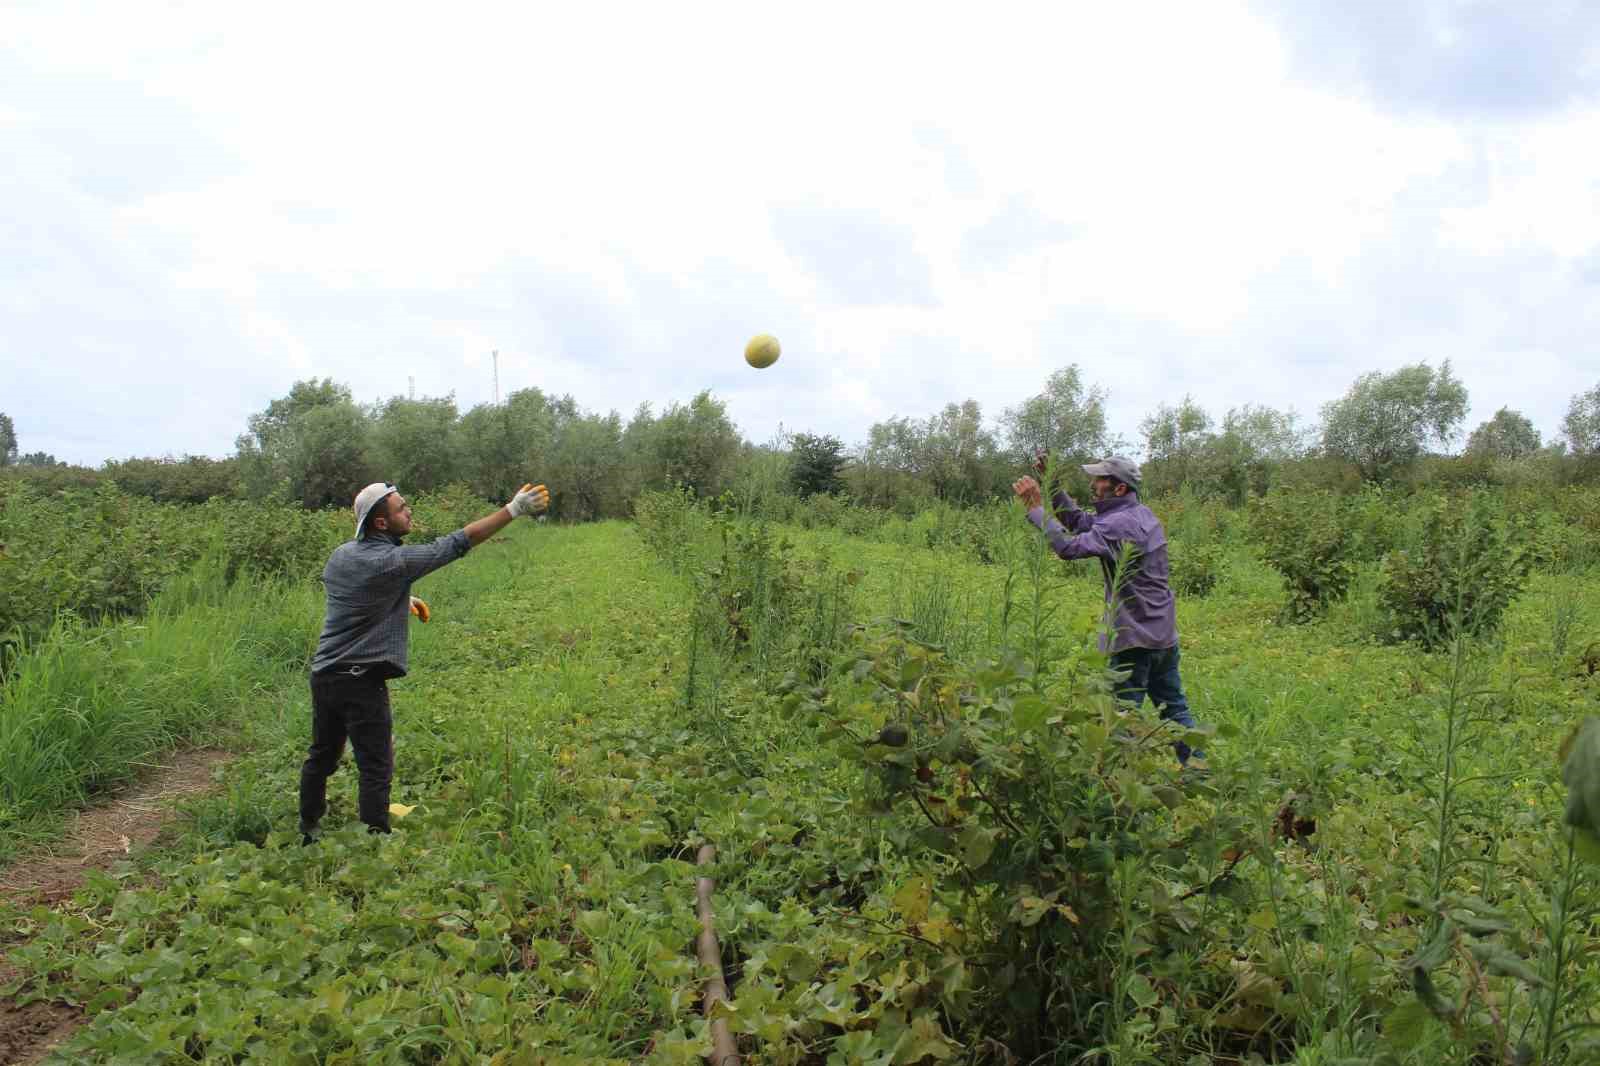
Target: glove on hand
420,609
531,500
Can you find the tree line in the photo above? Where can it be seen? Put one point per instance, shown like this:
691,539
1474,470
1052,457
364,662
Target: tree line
316,445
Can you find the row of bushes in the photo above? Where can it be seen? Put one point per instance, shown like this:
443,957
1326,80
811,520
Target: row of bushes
1441,554
102,553
1446,559
1061,891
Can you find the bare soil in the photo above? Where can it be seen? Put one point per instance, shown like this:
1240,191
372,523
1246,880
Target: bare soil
124,821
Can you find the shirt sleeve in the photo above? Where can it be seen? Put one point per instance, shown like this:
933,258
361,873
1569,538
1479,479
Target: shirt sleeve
1069,514
417,560
1088,544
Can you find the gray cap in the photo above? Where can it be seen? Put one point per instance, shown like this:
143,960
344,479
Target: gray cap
1116,467
368,498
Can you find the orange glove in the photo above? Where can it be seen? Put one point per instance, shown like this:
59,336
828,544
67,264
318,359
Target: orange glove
420,609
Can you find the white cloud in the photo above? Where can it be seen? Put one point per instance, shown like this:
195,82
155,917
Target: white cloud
924,203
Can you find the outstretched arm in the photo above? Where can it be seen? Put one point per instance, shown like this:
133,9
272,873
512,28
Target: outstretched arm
531,500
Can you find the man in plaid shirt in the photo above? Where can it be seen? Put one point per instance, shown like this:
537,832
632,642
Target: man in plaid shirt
364,641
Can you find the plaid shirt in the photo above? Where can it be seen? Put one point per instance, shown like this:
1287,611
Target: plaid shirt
369,599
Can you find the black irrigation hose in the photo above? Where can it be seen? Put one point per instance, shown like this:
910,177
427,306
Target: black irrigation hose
724,1052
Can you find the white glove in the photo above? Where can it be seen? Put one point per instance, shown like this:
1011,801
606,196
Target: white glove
530,500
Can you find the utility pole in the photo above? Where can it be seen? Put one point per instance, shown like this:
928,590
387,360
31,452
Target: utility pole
497,377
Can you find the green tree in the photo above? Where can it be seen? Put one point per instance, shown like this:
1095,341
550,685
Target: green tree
1066,419
309,446
414,442
502,446
585,468
270,428
1386,421
885,474
328,462
958,453
817,461
39,459
8,441
1244,457
950,454
637,441
1581,428
1174,439
692,444
1508,435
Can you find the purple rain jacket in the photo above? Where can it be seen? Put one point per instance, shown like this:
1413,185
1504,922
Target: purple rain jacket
1147,616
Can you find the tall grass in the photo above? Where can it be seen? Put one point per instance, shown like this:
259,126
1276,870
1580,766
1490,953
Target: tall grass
89,704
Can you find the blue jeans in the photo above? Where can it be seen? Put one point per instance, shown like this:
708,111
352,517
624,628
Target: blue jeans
1155,671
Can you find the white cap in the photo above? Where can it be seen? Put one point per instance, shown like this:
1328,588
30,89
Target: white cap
368,498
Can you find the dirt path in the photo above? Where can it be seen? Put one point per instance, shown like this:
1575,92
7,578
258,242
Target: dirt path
123,822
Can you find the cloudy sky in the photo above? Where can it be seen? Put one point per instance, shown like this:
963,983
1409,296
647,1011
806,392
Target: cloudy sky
1255,202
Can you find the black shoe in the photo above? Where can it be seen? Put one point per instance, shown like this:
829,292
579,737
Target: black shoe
308,834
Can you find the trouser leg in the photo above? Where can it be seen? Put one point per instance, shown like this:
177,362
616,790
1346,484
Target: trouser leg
371,728
1166,692
1135,662
327,745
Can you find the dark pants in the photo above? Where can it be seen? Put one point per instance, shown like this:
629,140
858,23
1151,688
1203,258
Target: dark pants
1155,671
358,708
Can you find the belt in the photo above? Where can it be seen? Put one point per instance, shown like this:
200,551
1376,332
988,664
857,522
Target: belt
347,670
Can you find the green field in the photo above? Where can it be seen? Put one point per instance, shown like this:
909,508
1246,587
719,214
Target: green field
584,711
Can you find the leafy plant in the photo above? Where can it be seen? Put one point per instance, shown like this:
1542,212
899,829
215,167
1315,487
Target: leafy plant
1461,567
1197,566
1303,537
1037,817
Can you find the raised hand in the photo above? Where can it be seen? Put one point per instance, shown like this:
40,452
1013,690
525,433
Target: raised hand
1028,490
529,500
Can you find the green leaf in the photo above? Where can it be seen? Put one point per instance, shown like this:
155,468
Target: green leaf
1481,926
594,923
1580,772
1029,712
1587,846
1437,949
912,900
1168,795
1142,992
1094,737
1503,963
1428,995
977,844
1407,1024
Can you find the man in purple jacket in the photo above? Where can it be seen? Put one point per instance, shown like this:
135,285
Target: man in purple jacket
1144,631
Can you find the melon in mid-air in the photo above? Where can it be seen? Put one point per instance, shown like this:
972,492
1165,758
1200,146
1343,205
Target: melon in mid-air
762,351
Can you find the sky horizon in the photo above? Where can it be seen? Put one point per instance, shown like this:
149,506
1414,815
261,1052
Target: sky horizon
1251,203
